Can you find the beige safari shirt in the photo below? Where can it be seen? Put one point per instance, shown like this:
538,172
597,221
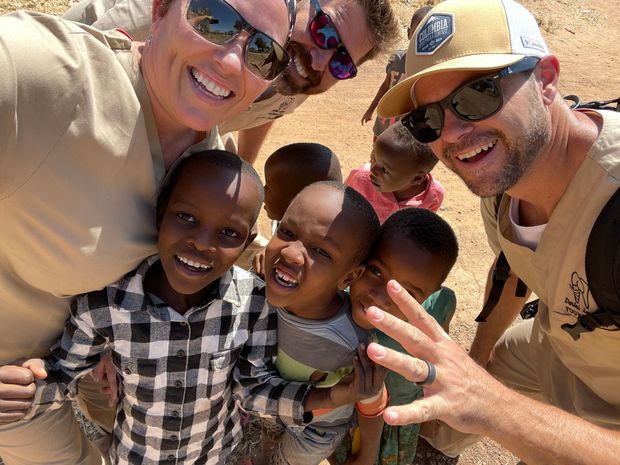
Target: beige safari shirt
580,376
80,165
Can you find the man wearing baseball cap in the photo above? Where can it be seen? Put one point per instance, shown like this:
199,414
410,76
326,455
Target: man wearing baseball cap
483,91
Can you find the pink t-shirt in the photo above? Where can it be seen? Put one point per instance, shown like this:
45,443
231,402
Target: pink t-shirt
385,203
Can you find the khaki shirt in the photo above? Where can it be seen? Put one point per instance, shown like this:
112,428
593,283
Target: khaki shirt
80,165
583,373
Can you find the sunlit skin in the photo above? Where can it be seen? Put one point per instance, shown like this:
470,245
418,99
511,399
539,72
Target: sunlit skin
203,231
312,255
393,169
503,164
350,21
177,54
419,272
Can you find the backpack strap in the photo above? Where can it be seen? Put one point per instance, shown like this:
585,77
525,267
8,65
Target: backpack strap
602,264
499,278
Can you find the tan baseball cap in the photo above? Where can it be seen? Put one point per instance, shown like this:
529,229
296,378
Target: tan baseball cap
465,35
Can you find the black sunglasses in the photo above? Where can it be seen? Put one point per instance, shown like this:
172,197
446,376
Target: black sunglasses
325,35
218,22
474,101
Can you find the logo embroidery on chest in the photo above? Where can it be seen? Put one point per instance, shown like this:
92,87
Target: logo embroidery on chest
578,301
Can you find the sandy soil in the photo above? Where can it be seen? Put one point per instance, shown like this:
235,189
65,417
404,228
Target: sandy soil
584,35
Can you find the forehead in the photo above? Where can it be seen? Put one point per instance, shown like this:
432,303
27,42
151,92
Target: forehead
200,180
268,16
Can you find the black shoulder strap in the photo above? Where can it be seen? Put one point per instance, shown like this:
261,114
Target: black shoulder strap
499,278
603,271
595,104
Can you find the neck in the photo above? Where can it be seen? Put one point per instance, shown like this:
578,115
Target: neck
319,311
543,185
412,190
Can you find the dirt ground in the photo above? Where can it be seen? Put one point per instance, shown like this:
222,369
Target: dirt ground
586,38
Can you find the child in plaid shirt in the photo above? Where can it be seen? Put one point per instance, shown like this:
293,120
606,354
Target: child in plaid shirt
190,335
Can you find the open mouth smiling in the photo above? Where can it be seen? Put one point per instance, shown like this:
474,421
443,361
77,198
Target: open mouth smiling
192,265
209,87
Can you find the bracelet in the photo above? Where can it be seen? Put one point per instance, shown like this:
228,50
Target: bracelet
375,407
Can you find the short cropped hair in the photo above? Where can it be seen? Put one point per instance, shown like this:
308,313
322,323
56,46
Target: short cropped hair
222,158
427,230
421,154
367,226
383,27
309,161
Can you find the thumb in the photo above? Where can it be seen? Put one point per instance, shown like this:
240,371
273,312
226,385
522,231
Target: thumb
37,366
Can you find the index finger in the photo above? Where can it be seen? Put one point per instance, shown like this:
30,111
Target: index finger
414,312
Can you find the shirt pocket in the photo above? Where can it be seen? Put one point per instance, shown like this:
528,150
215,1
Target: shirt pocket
218,376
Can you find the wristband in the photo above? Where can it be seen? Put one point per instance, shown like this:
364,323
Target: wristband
375,407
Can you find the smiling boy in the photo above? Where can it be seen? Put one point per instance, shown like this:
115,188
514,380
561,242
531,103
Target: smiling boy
189,333
309,262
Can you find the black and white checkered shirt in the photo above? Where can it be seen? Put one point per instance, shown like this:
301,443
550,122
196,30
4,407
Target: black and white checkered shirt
180,374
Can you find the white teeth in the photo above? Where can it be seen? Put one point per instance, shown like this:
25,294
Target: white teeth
285,280
193,264
300,68
210,85
473,153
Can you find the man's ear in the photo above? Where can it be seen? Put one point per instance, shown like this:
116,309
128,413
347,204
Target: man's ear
549,76
351,276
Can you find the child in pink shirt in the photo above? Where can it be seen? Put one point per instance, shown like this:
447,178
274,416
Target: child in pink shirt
398,175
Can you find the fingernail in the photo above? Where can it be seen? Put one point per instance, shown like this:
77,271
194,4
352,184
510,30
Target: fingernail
378,351
392,415
374,314
394,285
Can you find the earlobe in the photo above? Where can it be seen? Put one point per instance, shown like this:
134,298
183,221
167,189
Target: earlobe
351,276
549,74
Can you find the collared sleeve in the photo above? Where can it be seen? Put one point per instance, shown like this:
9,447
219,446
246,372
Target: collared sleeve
260,388
76,354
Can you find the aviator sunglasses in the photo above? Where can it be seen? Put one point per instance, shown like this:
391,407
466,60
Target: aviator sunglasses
326,37
218,22
474,101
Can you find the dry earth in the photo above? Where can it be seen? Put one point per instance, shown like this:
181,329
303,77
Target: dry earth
586,38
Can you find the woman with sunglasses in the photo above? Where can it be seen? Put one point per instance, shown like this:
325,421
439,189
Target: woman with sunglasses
90,124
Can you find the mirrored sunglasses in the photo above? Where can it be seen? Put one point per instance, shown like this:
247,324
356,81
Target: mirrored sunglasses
474,101
326,37
218,22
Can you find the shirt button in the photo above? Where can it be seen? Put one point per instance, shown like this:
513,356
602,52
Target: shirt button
180,353
173,437
178,384
175,414
170,458
183,323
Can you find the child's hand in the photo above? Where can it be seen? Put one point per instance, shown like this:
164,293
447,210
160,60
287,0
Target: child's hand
365,382
367,116
105,373
17,388
258,263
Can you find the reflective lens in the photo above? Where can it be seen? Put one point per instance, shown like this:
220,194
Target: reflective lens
325,36
218,22
473,101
